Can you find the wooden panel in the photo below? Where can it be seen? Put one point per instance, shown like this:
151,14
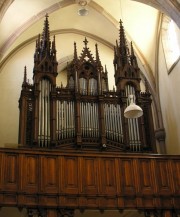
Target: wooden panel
163,177
31,199
30,173
10,199
89,202
49,174
89,175
107,202
69,175
1,167
145,177
36,178
10,172
176,175
51,200
128,177
71,201
107,174
130,202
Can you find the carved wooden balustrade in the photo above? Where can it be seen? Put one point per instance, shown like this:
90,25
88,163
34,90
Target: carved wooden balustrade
51,180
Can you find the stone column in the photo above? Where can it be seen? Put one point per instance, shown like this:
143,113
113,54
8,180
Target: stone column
160,135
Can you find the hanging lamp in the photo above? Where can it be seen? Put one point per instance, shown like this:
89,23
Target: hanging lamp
133,110
83,11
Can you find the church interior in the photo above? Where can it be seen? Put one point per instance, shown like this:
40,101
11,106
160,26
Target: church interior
69,69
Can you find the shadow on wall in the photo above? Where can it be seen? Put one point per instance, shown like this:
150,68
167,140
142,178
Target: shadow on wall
172,134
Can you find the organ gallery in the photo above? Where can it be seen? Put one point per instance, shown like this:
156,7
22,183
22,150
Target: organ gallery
77,150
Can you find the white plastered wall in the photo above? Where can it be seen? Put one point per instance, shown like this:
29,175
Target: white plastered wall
169,90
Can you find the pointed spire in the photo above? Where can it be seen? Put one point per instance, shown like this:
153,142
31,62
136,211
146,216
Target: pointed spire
53,50
38,41
124,51
37,49
132,49
46,35
97,54
75,52
54,44
133,57
25,75
121,33
106,70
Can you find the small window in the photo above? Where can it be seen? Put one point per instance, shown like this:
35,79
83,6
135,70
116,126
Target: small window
171,42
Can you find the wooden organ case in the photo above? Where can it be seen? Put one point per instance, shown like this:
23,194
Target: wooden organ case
85,114
77,151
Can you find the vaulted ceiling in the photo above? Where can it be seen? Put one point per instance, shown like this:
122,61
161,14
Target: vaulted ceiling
22,20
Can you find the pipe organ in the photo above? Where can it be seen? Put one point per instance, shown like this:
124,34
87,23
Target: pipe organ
84,115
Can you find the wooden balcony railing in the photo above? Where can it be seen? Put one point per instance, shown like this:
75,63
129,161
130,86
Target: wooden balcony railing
51,179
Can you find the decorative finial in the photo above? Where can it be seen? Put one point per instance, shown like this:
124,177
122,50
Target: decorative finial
97,53
146,85
46,15
46,35
75,51
25,74
85,41
132,49
106,69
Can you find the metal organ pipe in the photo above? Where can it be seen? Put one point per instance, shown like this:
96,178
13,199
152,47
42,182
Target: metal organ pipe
44,113
96,120
83,86
92,86
82,117
65,120
120,131
89,119
113,123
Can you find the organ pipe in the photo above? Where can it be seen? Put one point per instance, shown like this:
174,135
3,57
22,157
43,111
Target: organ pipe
44,113
89,119
65,120
113,124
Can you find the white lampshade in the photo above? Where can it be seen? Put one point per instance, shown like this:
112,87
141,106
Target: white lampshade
133,110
